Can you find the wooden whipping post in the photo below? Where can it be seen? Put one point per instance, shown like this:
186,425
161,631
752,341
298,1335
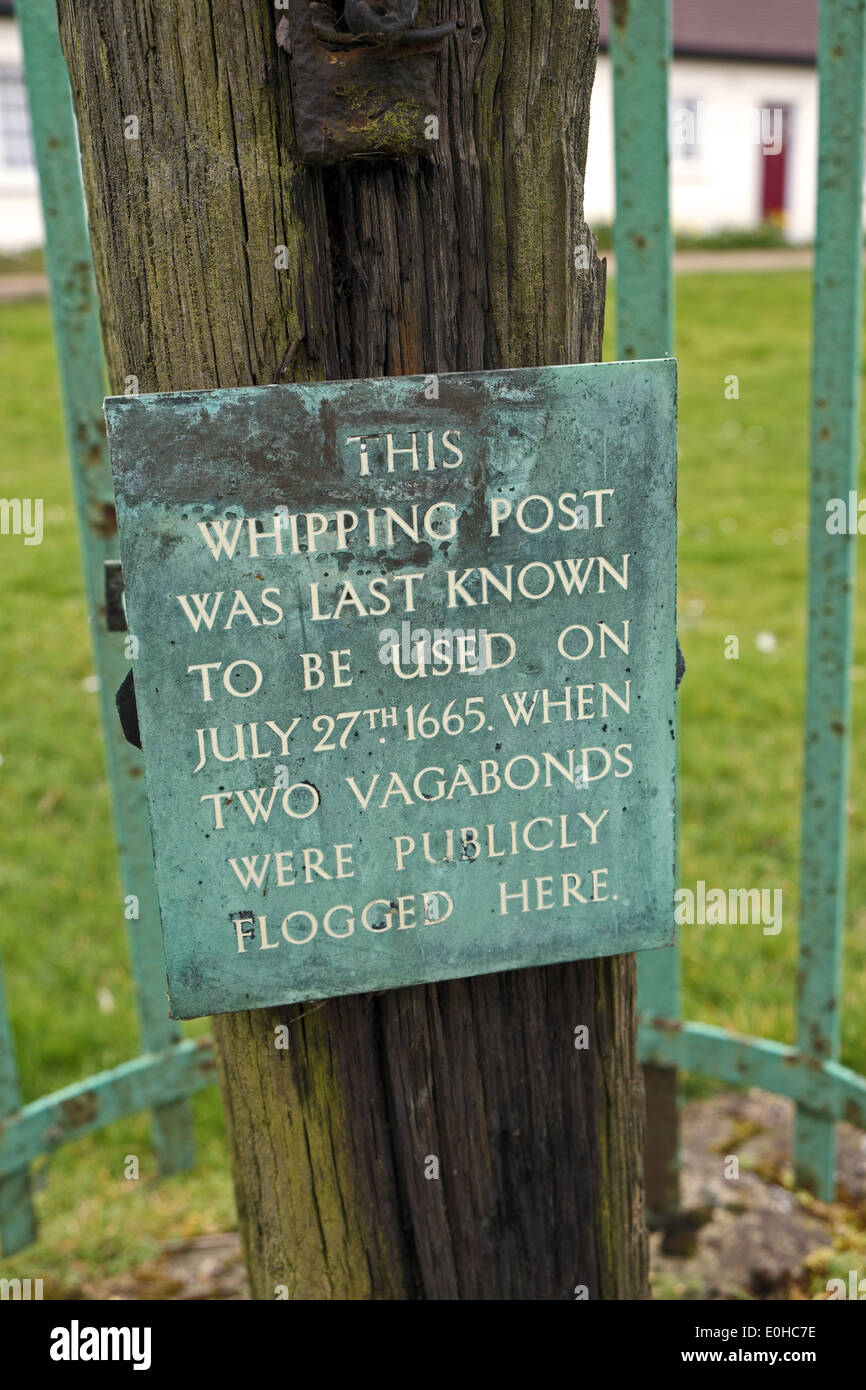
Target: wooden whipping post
224,260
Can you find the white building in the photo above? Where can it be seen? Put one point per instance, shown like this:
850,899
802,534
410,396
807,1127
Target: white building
743,117
20,213
743,122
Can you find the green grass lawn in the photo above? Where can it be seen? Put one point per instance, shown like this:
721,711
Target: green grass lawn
742,573
63,940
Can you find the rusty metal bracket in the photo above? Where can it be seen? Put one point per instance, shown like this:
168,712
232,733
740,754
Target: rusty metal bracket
115,609
363,78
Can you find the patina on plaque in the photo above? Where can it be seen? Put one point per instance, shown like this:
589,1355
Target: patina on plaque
405,674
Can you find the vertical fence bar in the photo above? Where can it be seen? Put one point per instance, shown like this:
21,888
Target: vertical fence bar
834,454
17,1216
640,38
75,312
641,50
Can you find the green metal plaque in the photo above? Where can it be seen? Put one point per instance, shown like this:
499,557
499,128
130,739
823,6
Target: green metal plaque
405,670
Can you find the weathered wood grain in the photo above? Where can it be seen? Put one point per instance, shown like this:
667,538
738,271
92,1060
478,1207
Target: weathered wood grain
462,261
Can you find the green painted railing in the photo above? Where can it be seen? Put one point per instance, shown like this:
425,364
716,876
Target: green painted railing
810,1073
170,1070
641,50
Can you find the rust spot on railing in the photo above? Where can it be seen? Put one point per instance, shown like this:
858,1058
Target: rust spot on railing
80,1110
619,10
104,523
666,1025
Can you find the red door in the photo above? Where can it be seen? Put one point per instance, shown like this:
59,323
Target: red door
775,130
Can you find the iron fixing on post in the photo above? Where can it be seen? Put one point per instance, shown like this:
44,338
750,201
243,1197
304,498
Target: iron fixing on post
363,78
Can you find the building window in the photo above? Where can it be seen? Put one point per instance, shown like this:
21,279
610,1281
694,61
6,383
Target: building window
16,149
686,123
